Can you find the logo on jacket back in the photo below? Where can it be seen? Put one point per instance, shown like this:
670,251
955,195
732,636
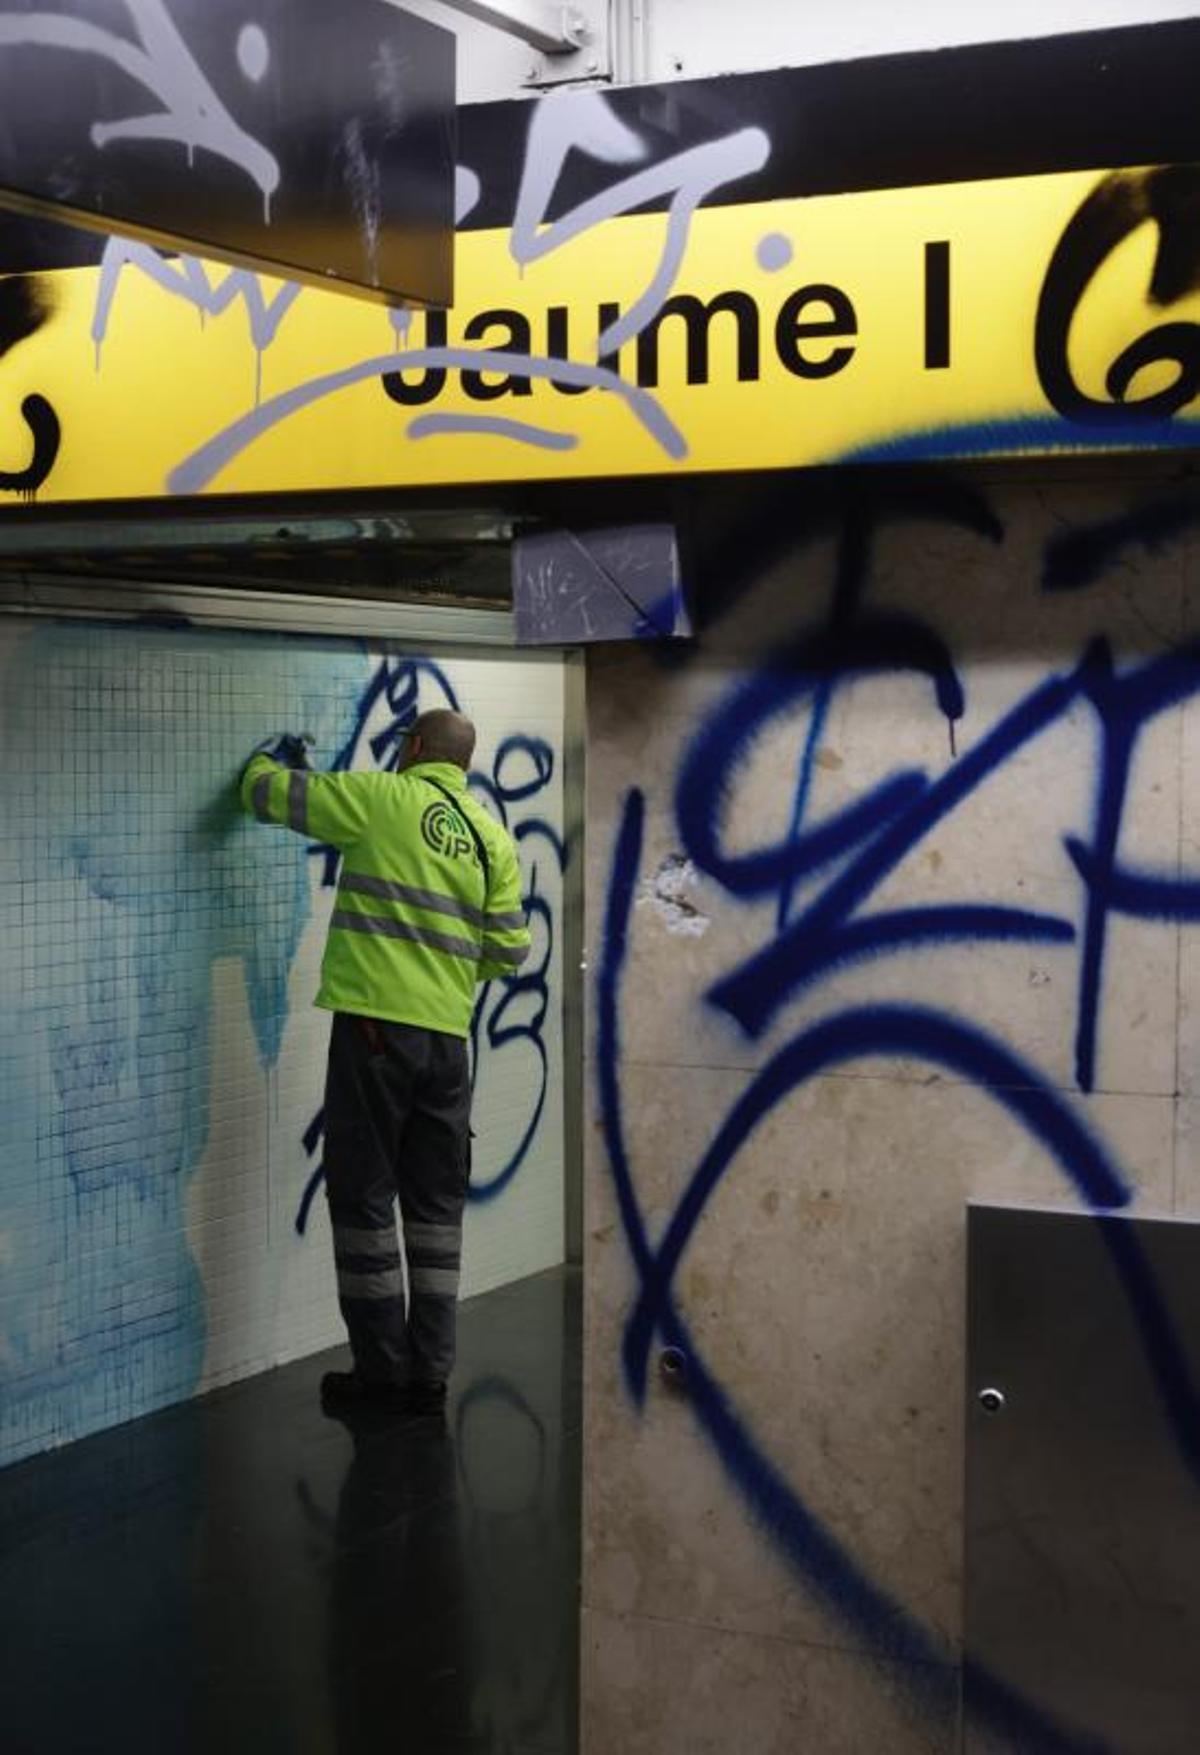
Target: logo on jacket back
445,832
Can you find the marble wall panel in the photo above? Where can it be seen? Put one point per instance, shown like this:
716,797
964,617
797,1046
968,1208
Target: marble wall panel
907,632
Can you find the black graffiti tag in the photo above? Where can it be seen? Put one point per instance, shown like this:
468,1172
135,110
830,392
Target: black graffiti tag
1169,197
24,307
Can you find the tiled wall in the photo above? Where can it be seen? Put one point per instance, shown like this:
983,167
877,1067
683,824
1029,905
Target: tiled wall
161,1063
855,959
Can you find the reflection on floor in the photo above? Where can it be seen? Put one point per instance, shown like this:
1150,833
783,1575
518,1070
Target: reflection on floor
242,1574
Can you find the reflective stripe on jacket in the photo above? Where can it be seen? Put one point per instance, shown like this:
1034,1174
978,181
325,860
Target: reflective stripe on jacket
416,924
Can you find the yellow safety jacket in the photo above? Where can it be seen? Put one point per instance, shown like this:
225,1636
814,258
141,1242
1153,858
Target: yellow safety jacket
418,922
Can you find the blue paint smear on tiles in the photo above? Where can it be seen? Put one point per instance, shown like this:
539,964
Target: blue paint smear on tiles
126,871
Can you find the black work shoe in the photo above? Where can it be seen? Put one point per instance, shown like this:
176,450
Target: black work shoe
424,1398
345,1392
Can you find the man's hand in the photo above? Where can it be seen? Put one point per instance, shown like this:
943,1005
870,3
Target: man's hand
290,749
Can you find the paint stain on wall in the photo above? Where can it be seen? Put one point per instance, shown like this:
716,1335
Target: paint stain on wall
127,871
670,894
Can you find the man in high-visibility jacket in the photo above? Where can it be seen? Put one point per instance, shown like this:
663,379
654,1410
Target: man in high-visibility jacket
428,906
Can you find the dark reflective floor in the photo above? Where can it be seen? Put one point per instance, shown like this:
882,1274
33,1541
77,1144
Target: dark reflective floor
244,1574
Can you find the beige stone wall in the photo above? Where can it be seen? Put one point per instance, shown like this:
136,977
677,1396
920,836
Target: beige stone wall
822,1287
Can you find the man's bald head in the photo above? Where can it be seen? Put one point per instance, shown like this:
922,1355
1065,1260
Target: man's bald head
442,736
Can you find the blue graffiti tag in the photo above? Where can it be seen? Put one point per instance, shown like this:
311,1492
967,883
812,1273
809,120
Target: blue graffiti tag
518,1012
866,841
883,828
820,1560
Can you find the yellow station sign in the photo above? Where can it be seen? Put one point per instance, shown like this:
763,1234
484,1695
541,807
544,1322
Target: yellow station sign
941,322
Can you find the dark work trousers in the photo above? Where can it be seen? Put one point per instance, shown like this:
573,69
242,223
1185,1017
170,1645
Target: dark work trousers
397,1122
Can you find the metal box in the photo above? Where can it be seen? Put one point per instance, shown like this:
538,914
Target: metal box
1082,1576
